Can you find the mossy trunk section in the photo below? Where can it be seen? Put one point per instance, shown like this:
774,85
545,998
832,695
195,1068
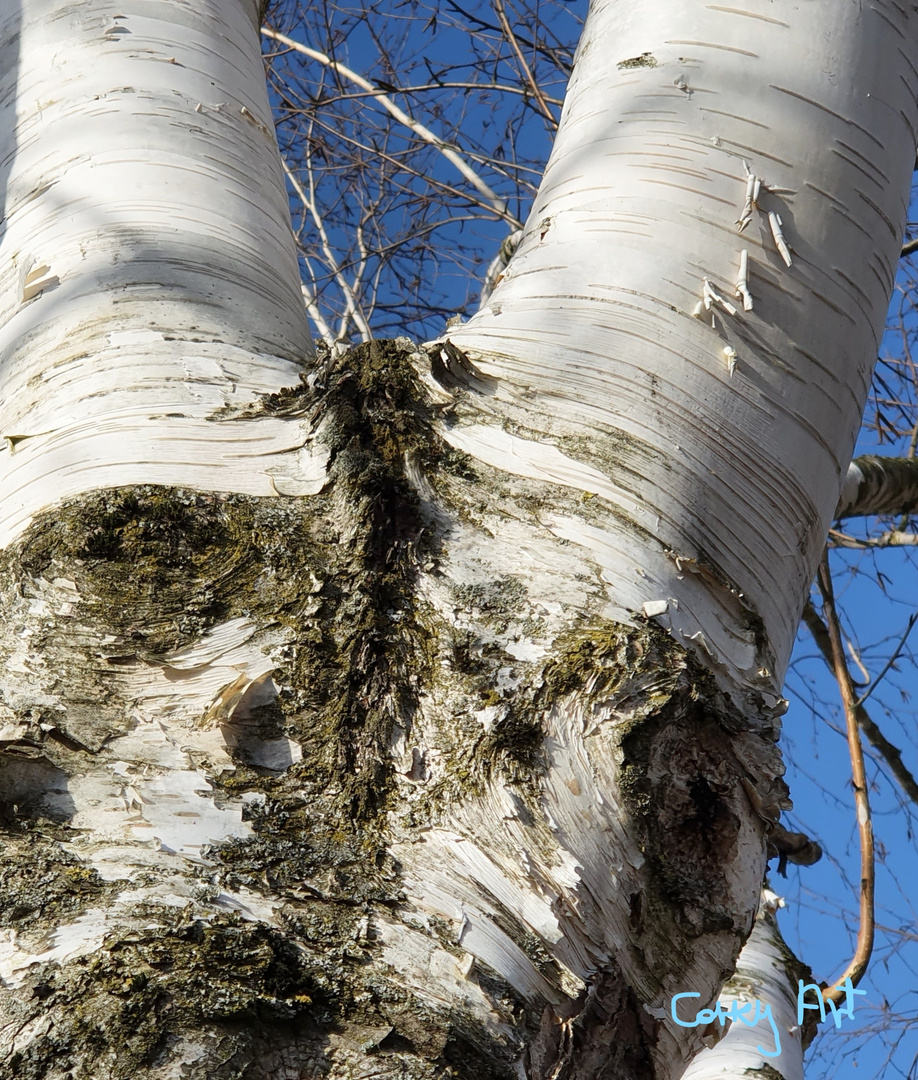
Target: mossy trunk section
358,785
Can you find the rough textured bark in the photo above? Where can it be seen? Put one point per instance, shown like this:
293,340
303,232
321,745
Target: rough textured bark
446,801
417,719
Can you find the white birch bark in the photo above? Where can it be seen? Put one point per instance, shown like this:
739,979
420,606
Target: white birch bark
445,739
877,485
765,974
146,247
725,435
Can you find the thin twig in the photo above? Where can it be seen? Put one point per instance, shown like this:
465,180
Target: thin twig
861,958
456,159
912,619
521,91
315,313
440,185
352,304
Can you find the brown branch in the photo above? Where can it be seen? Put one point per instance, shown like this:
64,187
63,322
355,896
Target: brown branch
861,958
524,67
910,248
892,755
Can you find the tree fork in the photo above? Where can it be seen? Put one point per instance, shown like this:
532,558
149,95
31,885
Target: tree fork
588,795
377,723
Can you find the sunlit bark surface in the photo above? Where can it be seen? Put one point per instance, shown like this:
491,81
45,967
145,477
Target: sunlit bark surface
148,271
723,436
417,719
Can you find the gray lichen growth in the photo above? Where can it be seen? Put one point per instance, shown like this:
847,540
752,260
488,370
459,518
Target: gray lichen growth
766,1072
645,60
42,885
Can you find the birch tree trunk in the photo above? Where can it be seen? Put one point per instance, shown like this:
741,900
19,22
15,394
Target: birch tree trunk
417,718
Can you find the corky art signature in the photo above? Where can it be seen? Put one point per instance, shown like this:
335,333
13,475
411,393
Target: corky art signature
751,1012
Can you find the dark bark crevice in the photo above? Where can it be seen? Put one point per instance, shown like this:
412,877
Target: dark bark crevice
605,1035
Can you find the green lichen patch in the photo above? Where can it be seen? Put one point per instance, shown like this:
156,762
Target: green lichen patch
150,561
510,743
612,660
156,567
303,848
368,654
153,569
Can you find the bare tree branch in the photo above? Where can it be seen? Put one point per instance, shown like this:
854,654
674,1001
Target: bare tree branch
891,538
889,663
858,965
892,755
524,67
353,310
456,159
879,485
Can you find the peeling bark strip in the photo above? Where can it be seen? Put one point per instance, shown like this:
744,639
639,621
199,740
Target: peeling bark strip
464,831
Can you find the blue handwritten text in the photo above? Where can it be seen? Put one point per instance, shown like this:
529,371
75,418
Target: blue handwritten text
838,1011
736,1010
751,1012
